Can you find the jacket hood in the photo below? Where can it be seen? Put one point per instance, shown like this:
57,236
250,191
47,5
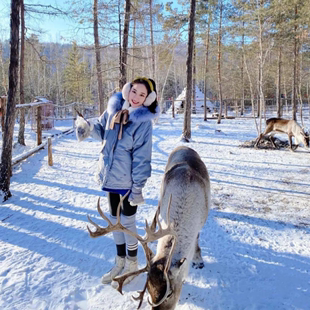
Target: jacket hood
139,115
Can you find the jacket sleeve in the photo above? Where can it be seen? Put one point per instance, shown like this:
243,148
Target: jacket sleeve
142,155
99,127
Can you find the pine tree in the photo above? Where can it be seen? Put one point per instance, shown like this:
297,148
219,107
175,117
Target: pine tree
76,77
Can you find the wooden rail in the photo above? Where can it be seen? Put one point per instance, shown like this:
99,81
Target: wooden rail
25,155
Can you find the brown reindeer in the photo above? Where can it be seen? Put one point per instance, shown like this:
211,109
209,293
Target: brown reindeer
183,206
289,127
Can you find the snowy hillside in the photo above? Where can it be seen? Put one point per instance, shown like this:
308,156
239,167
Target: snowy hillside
255,243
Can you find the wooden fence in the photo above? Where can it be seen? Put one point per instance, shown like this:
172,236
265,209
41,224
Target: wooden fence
35,110
232,107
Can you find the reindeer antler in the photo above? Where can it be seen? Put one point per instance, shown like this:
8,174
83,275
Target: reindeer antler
169,259
151,235
141,295
121,279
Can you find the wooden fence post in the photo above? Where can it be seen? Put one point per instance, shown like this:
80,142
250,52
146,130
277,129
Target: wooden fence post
39,125
172,107
49,151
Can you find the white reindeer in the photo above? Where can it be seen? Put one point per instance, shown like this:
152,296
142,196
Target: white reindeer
289,127
183,206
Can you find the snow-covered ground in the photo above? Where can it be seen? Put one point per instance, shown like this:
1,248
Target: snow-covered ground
255,243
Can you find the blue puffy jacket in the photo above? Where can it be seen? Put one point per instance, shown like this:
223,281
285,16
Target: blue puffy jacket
127,162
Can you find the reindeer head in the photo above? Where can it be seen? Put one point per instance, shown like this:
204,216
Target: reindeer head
162,283
165,291
305,138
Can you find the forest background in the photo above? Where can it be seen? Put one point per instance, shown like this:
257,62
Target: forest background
242,49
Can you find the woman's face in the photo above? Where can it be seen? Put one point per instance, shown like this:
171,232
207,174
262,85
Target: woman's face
137,95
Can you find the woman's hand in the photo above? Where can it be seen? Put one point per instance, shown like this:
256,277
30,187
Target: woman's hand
83,128
135,198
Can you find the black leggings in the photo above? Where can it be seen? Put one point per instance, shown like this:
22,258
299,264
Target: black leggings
126,208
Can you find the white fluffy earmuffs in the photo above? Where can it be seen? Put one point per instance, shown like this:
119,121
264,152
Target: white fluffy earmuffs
149,99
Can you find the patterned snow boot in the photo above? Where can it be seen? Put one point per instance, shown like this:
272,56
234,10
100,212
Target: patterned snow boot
130,266
116,270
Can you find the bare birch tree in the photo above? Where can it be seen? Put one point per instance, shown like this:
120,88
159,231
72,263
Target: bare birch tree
294,88
278,100
206,64
219,58
98,59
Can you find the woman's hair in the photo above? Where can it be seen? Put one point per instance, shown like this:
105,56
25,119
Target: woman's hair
150,86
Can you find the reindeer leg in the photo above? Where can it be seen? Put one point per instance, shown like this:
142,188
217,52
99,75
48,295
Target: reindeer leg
197,261
272,141
257,140
291,144
295,146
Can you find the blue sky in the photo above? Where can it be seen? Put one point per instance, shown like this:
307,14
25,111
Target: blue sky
56,29
53,27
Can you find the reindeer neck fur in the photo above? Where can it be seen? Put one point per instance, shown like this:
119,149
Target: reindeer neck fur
285,126
186,178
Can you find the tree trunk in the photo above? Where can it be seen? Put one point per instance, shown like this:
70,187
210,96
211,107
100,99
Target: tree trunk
152,41
120,39
21,133
308,98
39,125
123,69
285,94
206,68
133,48
294,106
194,82
260,66
162,108
242,72
175,81
186,135
6,156
299,79
279,101
252,93
3,72
219,64
3,101
98,60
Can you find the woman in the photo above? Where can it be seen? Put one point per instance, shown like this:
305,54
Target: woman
125,129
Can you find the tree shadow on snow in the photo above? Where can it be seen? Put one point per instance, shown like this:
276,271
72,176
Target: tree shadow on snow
241,275
65,240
